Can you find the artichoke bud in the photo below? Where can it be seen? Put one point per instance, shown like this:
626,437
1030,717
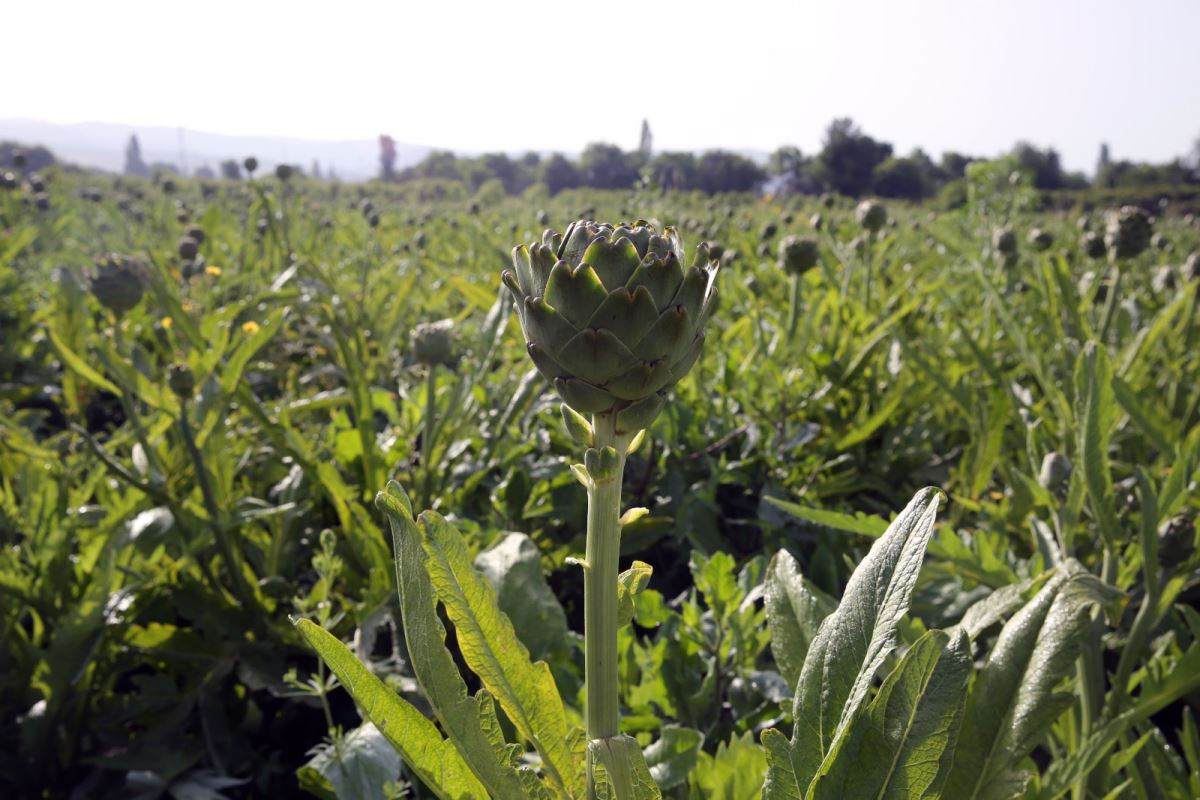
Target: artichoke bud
1041,239
1055,472
1004,241
250,164
1191,267
195,232
1094,246
816,221
798,255
602,464
188,248
1128,231
1176,540
118,282
871,215
433,342
577,426
611,316
283,172
182,381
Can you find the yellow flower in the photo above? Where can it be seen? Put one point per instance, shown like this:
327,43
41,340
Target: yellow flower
167,322
213,270
250,328
188,306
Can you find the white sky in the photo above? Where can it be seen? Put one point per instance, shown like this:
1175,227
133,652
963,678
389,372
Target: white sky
971,75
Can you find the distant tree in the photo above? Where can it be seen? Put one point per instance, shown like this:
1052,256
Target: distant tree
205,172
721,171
646,146
1128,175
606,166
793,172
531,160
36,157
848,158
1104,160
231,170
438,164
505,170
316,169
673,171
387,157
558,174
905,178
1045,165
954,165
134,165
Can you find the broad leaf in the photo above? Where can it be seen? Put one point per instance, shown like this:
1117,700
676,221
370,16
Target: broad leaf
514,568
673,756
795,608
620,770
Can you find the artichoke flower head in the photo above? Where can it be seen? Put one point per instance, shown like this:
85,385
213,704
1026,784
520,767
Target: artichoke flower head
612,316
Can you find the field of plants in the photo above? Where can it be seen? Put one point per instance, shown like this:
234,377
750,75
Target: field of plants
289,506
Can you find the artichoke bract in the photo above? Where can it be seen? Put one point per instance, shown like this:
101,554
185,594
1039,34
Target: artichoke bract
611,316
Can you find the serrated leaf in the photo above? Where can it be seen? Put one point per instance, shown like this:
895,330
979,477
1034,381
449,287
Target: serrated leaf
795,609
851,645
629,584
619,770
417,740
673,755
864,524
467,721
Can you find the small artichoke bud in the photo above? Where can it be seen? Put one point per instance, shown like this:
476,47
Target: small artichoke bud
118,282
798,255
1128,231
1094,246
1164,279
1191,267
42,201
419,240
543,218
816,221
577,426
188,248
859,245
195,232
1055,472
871,215
8,181
1160,242
433,342
1176,540
284,172
1041,239
1004,241
182,381
1084,223
19,159
262,225
828,199
250,164
768,231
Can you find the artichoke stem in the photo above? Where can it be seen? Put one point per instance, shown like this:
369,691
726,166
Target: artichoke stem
1110,303
600,591
794,308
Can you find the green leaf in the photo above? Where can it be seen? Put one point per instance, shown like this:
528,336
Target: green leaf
1095,414
903,745
1014,699
673,756
467,721
514,568
416,738
629,584
795,608
489,645
620,770
78,365
734,772
353,767
1076,765
850,646
864,524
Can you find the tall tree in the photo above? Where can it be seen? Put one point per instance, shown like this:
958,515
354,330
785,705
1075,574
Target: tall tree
606,166
848,158
558,174
646,147
134,165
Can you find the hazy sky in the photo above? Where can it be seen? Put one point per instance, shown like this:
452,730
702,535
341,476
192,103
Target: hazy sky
970,75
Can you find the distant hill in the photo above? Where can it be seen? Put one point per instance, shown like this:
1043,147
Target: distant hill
101,145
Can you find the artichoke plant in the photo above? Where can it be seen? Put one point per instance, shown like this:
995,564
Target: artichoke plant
1128,232
611,316
118,282
871,215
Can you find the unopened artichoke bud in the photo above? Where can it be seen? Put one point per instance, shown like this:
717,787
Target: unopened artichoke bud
1191,267
433,342
543,218
816,221
182,381
612,316
871,215
284,172
195,232
1176,540
118,282
1164,279
8,181
1094,246
828,199
1004,241
859,245
19,159
250,164
42,201
1084,223
1041,239
188,248
420,239
1127,232
1055,472
768,231
1159,241
798,255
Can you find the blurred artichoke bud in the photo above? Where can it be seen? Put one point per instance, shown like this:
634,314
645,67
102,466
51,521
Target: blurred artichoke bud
798,255
611,315
1159,241
433,342
182,381
250,164
188,248
1176,540
1084,223
1094,246
42,201
195,232
1164,279
871,215
543,218
816,221
118,282
19,158
768,231
168,186
1041,239
1055,472
283,172
859,245
1127,232
1004,241
828,199
8,181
